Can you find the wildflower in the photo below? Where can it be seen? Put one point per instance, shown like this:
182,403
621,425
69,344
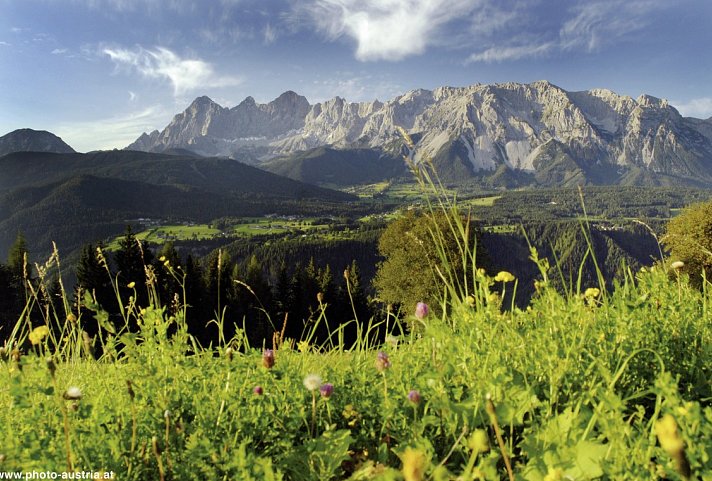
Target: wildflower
414,396
414,462
320,297
668,435
38,333
312,382
677,265
421,310
479,441
131,285
228,353
470,301
167,414
592,293
268,358
73,393
258,391
326,390
71,318
504,276
382,361
673,444
351,415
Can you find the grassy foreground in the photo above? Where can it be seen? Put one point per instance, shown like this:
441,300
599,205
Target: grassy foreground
584,386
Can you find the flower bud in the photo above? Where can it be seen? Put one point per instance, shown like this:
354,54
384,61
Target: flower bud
421,310
268,358
414,397
326,390
382,361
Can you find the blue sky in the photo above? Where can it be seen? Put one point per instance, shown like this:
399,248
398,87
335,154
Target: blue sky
100,72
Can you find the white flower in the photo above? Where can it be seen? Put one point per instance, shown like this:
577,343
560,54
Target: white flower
677,265
312,382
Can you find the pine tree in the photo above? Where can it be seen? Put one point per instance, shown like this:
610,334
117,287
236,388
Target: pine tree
93,277
17,258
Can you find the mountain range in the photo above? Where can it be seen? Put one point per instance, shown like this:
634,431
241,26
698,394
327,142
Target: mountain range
509,134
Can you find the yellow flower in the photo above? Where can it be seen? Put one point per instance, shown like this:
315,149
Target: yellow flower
414,464
38,333
479,441
592,293
668,435
470,301
131,285
504,276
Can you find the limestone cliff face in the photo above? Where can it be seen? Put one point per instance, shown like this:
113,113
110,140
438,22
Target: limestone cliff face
485,126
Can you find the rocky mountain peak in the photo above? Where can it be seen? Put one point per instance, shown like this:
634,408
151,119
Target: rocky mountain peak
482,127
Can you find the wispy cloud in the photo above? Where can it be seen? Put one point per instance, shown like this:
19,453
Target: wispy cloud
59,51
516,30
700,108
269,34
386,29
597,24
505,53
185,75
4,44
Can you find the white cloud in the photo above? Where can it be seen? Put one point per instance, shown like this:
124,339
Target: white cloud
502,54
113,132
184,74
700,108
4,44
59,51
386,29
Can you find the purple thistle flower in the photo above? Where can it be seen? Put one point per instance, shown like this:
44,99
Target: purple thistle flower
258,391
382,361
268,358
326,390
421,310
414,397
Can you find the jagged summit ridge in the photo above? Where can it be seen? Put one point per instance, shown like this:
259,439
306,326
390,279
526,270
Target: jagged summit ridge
528,127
